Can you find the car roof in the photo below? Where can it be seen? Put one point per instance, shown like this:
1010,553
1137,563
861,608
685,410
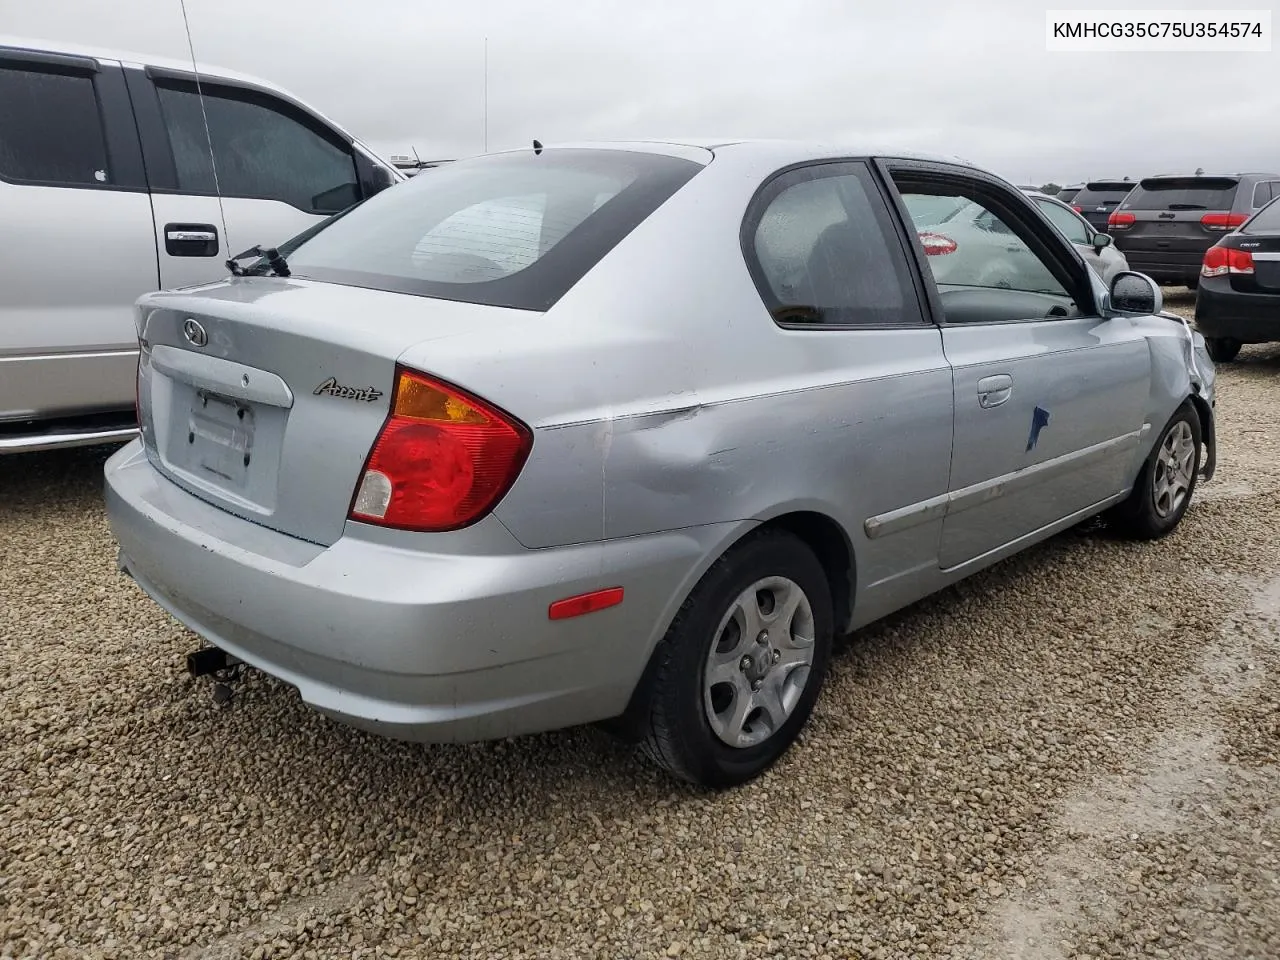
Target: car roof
794,151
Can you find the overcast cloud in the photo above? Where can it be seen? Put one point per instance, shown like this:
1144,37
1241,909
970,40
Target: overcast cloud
969,79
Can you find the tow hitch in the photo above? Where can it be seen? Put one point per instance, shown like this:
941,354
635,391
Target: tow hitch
216,663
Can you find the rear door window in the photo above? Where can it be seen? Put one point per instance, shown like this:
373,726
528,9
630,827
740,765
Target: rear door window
51,127
262,149
822,249
515,229
1183,193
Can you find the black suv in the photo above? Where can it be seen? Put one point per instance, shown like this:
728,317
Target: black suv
1239,297
1167,223
1097,198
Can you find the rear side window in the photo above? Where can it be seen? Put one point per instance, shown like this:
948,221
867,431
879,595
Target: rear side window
1264,191
822,250
261,149
1183,193
51,128
1266,220
513,230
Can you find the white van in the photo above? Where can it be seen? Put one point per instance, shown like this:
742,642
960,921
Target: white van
117,178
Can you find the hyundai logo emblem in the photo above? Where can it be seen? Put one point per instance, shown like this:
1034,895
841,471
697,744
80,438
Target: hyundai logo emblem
194,333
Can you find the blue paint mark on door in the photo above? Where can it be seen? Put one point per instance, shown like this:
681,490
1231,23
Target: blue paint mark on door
1039,420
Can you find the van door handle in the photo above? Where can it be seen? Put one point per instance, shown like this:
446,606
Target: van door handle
993,391
191,239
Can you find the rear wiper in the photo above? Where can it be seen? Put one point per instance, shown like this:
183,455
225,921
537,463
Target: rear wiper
275,262
1186,206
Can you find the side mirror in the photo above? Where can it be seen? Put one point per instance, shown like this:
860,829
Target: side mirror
1135,294
1101,241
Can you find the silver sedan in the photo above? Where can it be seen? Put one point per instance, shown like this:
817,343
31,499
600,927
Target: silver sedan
630,432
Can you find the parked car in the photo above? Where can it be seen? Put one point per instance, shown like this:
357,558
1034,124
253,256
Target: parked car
1167,223
109,190
1097,248
1098,198
639,452
1068,194
1238,301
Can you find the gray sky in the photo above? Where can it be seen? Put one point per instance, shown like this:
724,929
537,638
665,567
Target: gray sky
970,79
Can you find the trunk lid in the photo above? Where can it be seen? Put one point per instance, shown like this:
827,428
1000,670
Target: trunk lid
263,396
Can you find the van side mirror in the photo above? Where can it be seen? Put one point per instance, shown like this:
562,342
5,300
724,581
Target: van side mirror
1101,241
1135,294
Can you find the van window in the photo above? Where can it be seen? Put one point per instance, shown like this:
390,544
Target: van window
260,151
51,128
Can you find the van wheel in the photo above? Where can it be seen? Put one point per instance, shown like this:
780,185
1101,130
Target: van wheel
741,666
1163,490
1222,349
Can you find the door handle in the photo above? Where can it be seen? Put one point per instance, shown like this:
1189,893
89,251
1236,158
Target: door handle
191,239
184,235
993,391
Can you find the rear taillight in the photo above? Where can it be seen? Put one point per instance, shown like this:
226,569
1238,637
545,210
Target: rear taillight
935,244
1220,261
442,461
1077,208
1222,221
1120,221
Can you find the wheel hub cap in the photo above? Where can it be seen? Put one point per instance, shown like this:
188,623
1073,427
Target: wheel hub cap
759,662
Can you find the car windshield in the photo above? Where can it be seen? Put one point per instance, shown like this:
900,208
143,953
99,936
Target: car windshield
514,230
1266,220
1184,193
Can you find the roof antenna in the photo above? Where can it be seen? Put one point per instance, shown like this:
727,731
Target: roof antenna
204,115
537,148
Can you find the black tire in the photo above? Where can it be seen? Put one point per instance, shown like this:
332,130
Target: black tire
677,732
1141,516
1222,349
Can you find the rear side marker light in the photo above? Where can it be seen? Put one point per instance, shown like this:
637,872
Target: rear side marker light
442,460
1120,221
936,245
584,603
1222,221
1221,261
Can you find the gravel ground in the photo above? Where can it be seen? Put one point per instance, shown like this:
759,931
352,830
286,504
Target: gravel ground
1073,754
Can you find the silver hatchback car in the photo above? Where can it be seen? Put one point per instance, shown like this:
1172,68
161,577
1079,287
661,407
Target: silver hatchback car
630,432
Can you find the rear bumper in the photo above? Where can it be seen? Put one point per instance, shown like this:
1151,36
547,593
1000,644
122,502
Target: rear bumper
1164,266
405,643
1247,317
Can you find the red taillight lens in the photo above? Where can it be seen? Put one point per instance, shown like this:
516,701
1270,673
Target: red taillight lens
442,461
1220,261
1077,208
1222,221
1120,221
936,245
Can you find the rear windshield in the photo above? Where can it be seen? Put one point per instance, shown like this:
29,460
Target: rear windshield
1102,194
1266,220
511,230
1184,193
